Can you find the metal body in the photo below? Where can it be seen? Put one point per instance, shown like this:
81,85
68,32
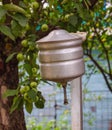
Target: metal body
61,60
61,56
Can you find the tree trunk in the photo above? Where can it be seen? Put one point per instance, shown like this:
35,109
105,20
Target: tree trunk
9,80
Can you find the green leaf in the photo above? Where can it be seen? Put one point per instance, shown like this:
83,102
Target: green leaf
16,28
41,101
10,57
2,12
32,94
28,106
15,8
22,20
28,68
10,92
17,103
7,31
39,104
73,20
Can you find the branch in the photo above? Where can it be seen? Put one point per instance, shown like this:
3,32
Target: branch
101,70
91,5
88,53
9,1
104,48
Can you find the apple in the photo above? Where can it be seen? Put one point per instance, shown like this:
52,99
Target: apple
103,40
44,27
22,91
24,43
35,5
26,97
45,12
20,56
33,84
28,57
27,27
26,88
90,37
31,47
66,18
34,70
97,25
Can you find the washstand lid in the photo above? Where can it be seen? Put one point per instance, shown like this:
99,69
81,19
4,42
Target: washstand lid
59,35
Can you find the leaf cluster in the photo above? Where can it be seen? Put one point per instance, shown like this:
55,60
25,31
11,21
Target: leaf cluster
22,24
98,45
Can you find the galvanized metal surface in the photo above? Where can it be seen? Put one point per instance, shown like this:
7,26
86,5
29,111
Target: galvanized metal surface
61,56
59,35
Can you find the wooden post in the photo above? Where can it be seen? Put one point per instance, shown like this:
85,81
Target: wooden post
76,104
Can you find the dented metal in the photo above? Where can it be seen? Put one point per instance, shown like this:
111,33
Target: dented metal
61,56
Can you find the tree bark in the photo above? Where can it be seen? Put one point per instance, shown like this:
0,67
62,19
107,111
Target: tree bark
9,1
9,80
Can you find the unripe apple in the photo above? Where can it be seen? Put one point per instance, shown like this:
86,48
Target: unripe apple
90,37
44,27
22,91
34,70
20,56
33,84
66,18
28,57
104,40
31,47
26,97
35,5
24,43
26,88
45,12
27,27
97,25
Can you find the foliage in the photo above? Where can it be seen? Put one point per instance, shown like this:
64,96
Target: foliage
61,124
98,45
23,23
